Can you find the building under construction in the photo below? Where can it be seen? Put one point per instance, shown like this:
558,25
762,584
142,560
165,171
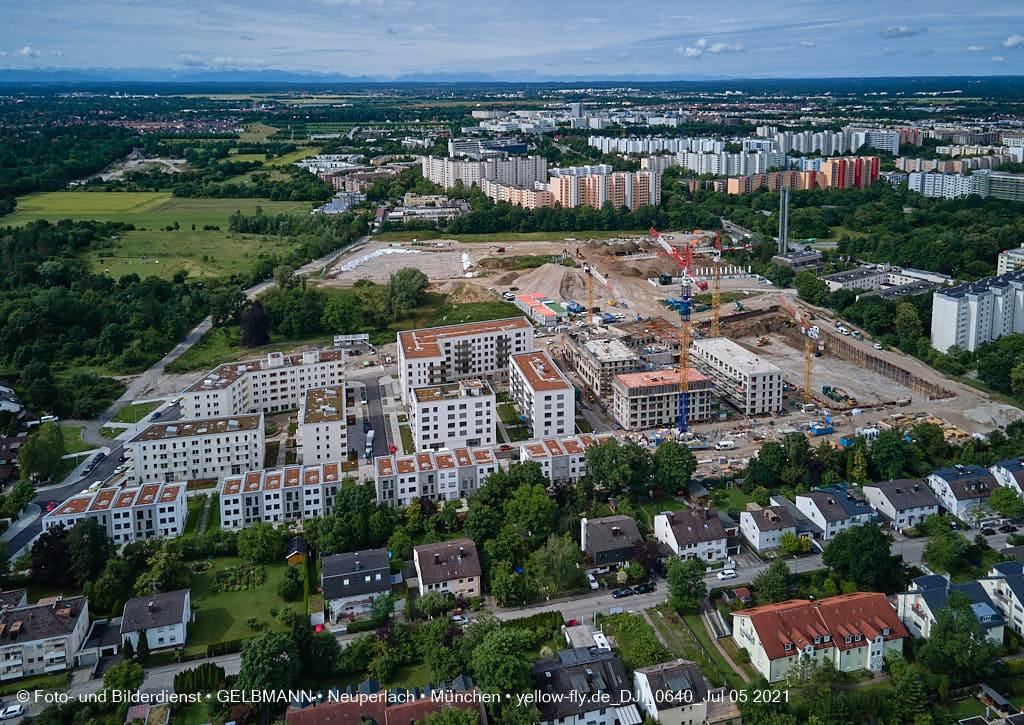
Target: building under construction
650,399
749,382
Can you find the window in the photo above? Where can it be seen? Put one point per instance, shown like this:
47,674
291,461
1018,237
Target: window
788,646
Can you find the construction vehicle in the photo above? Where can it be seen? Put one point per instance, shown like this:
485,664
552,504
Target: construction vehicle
702,308
762,341
687,267
579,254
739,305
829,392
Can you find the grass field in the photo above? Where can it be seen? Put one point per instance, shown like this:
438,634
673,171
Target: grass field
222,615
200,253
299,153
72,437
144,209
135,412
224,344
66,466
840,232
257,132
504,236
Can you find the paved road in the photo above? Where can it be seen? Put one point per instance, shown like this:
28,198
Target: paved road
375,412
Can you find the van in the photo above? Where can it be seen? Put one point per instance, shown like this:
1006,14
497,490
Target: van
726,574
725,445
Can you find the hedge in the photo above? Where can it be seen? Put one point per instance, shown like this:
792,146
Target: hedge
546,621
225,647
364,625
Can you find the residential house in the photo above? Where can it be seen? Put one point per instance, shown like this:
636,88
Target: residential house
693,534
673,693
584,687
41,638
610,540
763,528
1005,587
164,617
448,566
926,595
9,456
902,503
834,510
851,631
1007,472
962,490
351,581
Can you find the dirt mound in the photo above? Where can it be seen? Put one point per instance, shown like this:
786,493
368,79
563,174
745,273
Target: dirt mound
506,279
642,267
555,281
467,292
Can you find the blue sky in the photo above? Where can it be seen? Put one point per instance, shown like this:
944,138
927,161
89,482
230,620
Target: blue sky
386,38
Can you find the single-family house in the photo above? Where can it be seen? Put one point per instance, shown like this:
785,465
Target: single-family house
673,693
692,534
962,490
351,581
763,528
163,616
834,510
1009,472
926,595
448,566
902,503
584,687
609,540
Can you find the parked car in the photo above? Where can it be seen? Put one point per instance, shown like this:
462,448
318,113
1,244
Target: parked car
155,415
1008,529
624,592
392,448
460,620
877,345
11,712
726,574
504,447
644,588
592,581
50,506
988,531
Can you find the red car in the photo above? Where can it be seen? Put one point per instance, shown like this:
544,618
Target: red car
51,506
392,448
505,447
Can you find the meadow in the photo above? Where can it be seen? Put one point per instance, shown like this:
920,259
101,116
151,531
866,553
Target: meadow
144,209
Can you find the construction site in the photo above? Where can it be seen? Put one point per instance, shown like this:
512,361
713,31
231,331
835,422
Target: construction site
834,383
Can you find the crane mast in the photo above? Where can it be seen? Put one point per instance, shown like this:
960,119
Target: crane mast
716,284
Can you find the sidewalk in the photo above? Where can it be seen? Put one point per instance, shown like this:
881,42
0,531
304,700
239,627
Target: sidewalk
705,608
26,519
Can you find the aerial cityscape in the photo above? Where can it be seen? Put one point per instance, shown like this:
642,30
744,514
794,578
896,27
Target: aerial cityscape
373,363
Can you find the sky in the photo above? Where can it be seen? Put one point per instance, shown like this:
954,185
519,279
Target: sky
560,38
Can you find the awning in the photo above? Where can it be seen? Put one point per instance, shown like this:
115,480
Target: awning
628,715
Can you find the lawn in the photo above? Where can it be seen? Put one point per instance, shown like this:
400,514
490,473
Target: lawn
517,433
732,498
408,444
144,209
66,466
195,509
199,253
135,412
840,232
682,643
72,437
652,508
508,413
111,432
583,425
56,681
506,236
472,312
296,155
224,344
257,132
213,516
222,615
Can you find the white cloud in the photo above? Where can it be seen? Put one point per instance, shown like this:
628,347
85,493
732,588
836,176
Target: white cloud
808,43
901,31
702,46
190,60
975,48
58,53
997,59
1014,41
27,52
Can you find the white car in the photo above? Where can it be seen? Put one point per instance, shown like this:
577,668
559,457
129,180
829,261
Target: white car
460,620
726,574
877,346
12,712
592,581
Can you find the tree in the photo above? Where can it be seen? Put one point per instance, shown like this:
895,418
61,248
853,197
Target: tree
400,544
125,676
142,647
166,573
452,716
509,587
1007,502
51,560
381,609
226,305
89,547
127,650
773,582
946,550
674,464
40,455
907,324
290,587
255,326
260,543
789,543
625,469
532,511
344,315
958,646
405,291
888,453
859,465
686,583
861,554
499,663
557,564
434,604
284,275
270,661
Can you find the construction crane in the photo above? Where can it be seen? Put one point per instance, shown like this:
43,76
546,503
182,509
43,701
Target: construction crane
813,339
716,283
592,274
808,359
686,267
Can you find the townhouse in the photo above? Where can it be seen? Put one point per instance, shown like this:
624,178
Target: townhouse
163,616
352,581
437,355
128,514
901,503
1009,472
542,394
195,449
1005,587
448,566
277,383
926,595
962,490
453,415
42,638
562,460
292,493
763,528
609,540
693,534
833,511
851,632
323,425
584,687
673,693
435,475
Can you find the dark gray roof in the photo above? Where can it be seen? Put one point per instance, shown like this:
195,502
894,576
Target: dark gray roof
589,673
670,681
354,567
610,533
154,610
447,560
968,482
773,518
837,505
296,546
935,591
906,493
12,598
1017,552
696,526
984,285
53,618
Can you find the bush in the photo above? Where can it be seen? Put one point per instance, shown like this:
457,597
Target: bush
254,623
364,625
224,647
290,588
545,624
238,578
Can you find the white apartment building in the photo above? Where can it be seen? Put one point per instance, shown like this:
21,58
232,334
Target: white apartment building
42,638
696,534
948,186
437,355
562,460
976,312
513,171
729,164
292,493
877,139
650,399
127,514
454,415
1010,260
436,475
187,450
745,380
543,394
323,425
277,383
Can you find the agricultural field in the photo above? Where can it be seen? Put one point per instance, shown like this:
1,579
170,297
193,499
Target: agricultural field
256,132
200,253
144,209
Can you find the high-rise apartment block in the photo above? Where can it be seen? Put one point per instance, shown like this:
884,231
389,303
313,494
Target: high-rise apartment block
969,314
542,394
521,171
323,425
453,415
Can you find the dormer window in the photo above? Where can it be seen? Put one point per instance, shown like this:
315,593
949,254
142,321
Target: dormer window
788,646
885,632
856,638
828,637
817,640
848,639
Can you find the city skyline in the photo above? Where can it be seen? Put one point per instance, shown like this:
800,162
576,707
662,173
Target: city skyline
382,39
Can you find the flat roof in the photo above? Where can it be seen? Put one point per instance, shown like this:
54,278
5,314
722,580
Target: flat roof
728,351
274,479
452,391
324,405
433,460
117,498
199,427
426,342
540,371
224,375
650,378
569,445
605,350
